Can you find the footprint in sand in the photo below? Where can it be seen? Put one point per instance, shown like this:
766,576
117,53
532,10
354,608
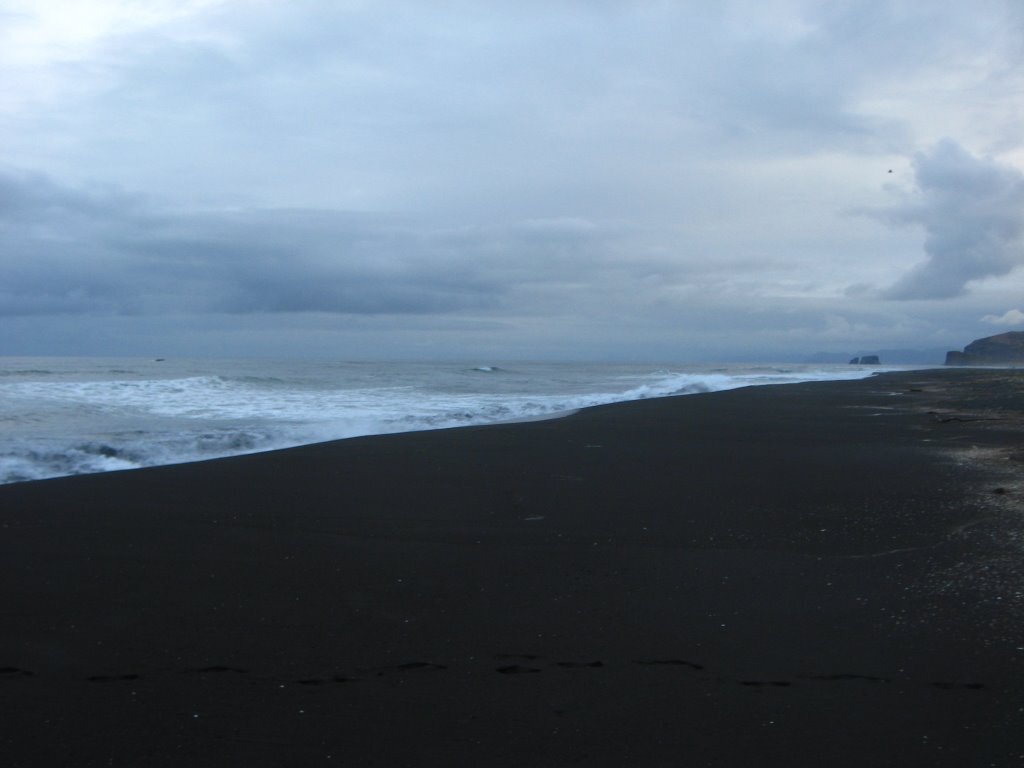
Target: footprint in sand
10,672
111,678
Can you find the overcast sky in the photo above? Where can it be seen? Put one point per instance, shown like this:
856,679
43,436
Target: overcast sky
566,179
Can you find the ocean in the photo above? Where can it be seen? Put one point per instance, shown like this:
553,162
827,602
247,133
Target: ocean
67,416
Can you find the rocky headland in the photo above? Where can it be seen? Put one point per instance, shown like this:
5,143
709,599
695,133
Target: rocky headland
1002,349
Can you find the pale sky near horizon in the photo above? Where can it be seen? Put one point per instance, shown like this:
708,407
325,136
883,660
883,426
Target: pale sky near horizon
570,179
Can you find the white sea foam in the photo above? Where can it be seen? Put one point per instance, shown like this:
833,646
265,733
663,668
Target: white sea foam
73,416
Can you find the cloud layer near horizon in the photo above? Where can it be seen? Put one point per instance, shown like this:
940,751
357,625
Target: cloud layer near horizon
564,179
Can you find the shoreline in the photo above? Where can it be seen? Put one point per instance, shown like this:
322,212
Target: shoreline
80,417
802,574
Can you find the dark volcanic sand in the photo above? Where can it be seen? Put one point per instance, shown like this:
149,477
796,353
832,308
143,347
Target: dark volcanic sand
808,575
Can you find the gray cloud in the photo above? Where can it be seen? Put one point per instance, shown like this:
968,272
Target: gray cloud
972,211
551,108
98,251
623,177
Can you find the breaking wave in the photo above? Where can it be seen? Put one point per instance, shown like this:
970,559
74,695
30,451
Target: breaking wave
64,422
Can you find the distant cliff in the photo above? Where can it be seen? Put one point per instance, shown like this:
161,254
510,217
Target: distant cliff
1003,349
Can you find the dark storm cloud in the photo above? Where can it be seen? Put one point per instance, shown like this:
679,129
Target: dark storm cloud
97,251
972,211
54,260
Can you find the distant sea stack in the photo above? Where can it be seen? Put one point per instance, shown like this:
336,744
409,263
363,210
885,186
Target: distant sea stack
866,360
1002,349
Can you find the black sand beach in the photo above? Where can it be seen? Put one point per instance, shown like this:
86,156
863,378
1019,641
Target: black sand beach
820,574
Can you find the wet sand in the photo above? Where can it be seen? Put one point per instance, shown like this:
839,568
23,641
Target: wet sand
801,575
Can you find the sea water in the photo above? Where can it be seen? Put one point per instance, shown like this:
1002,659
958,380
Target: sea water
65,416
